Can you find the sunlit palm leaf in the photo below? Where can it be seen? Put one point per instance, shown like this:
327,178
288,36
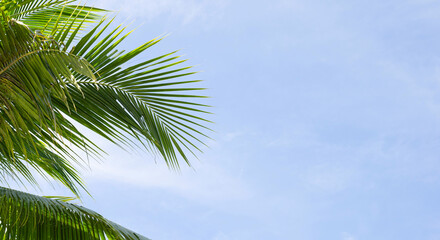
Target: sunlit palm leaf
144,100
34,71
49,70
48,15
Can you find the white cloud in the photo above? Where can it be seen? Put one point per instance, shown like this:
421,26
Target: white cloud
184,10
325,177
209,183
347,236
231,136
221,236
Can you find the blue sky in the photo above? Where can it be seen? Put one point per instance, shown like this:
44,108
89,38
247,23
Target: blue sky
327,123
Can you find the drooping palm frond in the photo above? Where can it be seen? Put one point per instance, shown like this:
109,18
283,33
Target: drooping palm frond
147,101
34,71
142,102
27,216
49,69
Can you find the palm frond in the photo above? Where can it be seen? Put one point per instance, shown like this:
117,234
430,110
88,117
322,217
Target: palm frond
144,101
27,216
34,71
50,73
49,15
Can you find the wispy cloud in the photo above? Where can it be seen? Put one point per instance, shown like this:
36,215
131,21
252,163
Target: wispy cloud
328,178
210,183
184,10
347,236
221,236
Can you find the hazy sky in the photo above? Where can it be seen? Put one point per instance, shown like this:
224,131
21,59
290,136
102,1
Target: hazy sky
327,123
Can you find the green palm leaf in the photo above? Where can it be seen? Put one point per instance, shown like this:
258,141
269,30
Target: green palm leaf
52,71
27,216
144,100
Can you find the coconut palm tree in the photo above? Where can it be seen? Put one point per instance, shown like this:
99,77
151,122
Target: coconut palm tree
60,67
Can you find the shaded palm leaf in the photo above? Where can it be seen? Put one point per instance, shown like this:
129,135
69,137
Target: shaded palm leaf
27,216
